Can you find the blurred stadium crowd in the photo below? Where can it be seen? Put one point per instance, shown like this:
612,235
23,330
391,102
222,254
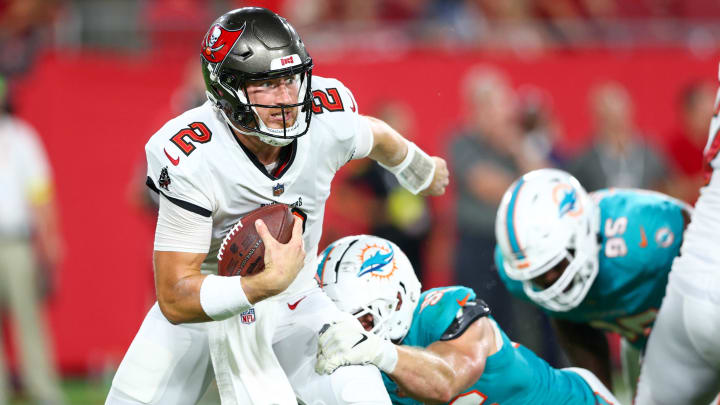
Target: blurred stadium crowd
499,129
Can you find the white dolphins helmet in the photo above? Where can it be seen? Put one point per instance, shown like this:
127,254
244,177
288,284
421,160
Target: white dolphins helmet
547,229
365,274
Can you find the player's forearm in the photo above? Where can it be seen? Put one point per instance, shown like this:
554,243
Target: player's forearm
180,301
423,375
414,169
389,147
177,284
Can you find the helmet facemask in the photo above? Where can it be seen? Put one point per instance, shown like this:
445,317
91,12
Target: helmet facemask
382,311
246,118
578,266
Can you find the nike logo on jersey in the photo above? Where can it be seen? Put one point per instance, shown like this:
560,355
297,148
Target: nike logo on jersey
643,238
362,339
292,306
175,161
463,301
353,104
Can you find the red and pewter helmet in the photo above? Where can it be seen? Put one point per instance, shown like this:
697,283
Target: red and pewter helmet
255,44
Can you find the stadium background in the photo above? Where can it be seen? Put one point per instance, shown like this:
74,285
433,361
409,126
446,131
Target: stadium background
103,78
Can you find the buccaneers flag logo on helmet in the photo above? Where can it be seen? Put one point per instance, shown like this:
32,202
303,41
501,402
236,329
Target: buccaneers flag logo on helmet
218,42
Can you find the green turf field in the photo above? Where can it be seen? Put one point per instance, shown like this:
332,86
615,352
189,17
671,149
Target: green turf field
85,392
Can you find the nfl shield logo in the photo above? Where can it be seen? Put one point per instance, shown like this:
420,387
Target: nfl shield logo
248,316
278,189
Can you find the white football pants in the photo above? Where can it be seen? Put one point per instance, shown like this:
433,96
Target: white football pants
165,364
295,343
170,364
682,361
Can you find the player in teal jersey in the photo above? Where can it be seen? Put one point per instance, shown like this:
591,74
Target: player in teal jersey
441,346
594,263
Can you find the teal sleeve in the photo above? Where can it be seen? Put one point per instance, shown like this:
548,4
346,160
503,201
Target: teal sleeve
654,231
437,310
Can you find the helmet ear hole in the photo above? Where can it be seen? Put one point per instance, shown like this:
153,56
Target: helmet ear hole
399,302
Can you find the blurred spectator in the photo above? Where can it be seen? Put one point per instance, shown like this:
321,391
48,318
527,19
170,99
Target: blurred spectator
487,154
686,143
494,23
176,23
619,155
23,29
395,213
27,213
538,123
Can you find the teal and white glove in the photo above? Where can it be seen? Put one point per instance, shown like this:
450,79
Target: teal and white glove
346,342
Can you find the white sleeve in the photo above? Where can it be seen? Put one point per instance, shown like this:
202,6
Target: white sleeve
363,138
361,135
179,230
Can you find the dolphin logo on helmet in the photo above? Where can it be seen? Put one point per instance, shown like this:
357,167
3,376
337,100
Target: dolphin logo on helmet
377,261
567,199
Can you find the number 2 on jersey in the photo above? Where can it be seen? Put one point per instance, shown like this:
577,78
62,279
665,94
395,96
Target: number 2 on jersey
326,100
197,132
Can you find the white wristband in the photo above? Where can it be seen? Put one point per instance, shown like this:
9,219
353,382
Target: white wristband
416,171
387,359
223,297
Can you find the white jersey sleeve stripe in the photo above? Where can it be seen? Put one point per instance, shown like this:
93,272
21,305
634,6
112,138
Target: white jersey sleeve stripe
180,203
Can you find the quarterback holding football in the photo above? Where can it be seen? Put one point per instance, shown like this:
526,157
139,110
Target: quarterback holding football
271,132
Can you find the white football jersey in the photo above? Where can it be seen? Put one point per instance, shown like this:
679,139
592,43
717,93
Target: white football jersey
197,163
698,266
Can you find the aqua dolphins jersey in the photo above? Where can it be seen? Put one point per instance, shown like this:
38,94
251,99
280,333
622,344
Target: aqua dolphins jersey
641,234
513,375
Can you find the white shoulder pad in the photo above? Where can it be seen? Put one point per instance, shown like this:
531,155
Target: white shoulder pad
177,168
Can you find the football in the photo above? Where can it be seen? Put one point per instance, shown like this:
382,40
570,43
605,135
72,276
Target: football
242,251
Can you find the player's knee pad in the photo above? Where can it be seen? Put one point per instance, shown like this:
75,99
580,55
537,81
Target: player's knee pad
163,362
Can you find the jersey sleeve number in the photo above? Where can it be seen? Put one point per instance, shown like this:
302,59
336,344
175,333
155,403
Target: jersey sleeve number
630,327
615,245
328,99
197,132
433,297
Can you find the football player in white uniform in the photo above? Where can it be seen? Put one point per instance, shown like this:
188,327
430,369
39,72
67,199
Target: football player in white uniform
271,132
682,359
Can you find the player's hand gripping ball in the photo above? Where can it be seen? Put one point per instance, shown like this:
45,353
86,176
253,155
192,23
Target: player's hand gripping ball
242,251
